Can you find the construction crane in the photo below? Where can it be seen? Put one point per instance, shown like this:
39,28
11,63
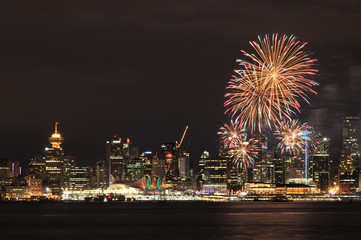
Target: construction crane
184,133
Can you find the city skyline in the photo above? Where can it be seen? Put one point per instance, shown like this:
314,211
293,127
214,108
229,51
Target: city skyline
169,119
147,80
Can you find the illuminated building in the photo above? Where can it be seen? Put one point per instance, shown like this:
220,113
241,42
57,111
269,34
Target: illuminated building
234,178
37,167
222,152
17,192
296,169
5,171
350,137
54,162
215,176
278,168
158,167
347,174
15,169
171,154
69,163
290,190
264,170
147,162
117,152
79,178
35,186
201,173
321,164
101,177
260,174
134,169
10,171
184,165
204,156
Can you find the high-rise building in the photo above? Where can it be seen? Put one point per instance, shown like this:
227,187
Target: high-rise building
347,176
222,151
79,178
158,167
171,153
201,164
215,175
147,162
117,153
54,162
37,167
5,171
350,138
234,178
260,172
278,168
69,163
321,164
200,171
134,169
184,165
101,177
35,185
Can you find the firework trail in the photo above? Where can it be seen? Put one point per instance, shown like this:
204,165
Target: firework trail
268,88
230,133
291,137
243,153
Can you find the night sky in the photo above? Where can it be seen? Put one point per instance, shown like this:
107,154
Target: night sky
146,69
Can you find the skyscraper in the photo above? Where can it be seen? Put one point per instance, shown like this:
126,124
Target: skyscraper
158,167
147,162
101,178
347,174
5,171
350,137
134,169
69,164
321,164
79,178
184,165
37,167
54,162
215,176
171,153
117,152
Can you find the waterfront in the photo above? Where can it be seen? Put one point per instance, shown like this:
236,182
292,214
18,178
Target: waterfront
180,220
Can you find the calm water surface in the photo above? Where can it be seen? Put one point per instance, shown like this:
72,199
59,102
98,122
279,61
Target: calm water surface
180,220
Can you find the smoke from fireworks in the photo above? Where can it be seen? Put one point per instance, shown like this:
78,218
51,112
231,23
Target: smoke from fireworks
267,90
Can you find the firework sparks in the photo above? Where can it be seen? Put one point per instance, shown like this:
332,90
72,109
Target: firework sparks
268,88
230,133
290,135
243,153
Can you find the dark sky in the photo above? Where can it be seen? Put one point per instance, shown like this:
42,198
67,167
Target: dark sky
146,69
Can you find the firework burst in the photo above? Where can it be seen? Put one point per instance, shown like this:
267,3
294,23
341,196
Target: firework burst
230,133
267,89
291,137
243,153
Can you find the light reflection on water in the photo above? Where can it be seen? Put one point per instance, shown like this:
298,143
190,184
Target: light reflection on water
181,220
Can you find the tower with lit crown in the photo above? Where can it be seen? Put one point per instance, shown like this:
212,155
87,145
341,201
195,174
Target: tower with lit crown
56,139
54,162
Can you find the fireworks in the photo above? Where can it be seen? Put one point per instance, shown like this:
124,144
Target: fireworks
230,133
243,153
253,101
267,90
291,137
